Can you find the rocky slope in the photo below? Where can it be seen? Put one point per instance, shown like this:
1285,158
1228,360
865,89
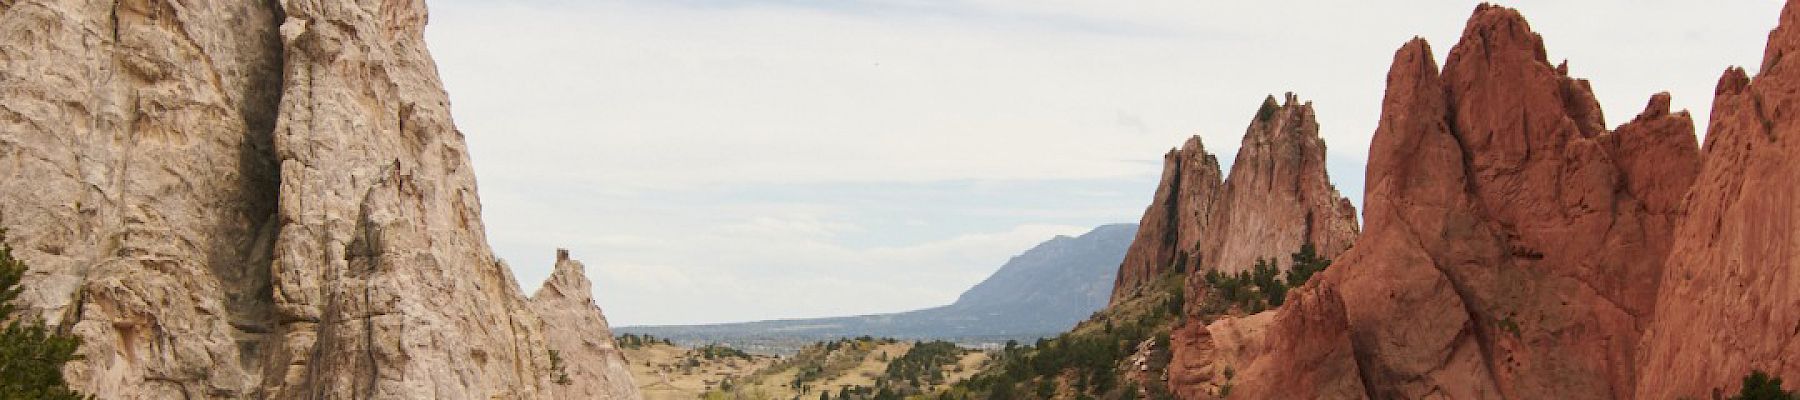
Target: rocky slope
1277,198
1730,295
1512,245
254,200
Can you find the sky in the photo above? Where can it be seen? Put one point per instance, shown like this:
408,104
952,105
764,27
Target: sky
719,161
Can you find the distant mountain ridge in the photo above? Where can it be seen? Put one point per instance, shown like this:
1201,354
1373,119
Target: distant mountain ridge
1040,292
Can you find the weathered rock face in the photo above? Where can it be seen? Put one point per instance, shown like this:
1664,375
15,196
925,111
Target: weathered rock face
381,266
577,330
1512,245
133,140
1730,296
1206,356
1277,198
1278,195
254,200
1316,336
1171,227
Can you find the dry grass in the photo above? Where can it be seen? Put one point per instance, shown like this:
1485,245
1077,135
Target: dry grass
774,382
662,371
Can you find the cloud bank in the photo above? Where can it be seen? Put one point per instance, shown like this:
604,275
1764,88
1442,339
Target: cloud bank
738,160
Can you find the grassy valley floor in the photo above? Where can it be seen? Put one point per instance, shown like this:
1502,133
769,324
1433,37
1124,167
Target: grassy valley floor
850,369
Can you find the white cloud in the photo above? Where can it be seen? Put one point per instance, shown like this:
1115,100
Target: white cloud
802,225
823,279
741,159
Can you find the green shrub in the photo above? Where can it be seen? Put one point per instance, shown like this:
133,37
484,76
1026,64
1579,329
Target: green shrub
1760,386
559,372
1267,110
716,351
31,357
925,361
1263,276
1263,285
1306,263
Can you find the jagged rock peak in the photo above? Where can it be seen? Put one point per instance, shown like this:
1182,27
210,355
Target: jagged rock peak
1510,238
575,328
1279,195
567,280
1170,229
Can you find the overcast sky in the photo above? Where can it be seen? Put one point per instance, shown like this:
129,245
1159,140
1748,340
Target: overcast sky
716,161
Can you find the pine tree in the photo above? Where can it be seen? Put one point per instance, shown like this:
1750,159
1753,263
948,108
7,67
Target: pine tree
1306,262
1760,386
31,357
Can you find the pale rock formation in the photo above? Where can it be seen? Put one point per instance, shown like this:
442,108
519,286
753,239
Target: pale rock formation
254,199
134,145
577,330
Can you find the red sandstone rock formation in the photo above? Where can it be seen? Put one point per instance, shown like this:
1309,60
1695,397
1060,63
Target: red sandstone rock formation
1277,198
1278,195
1516,249
1512,245
1318,338
1171,227
1730,295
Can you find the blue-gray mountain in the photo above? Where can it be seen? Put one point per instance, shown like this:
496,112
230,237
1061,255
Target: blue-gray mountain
1039,293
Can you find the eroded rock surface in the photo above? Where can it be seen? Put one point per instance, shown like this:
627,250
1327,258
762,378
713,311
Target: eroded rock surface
250,199
1316,336
577,330
1171,227
1511,242
1730,296
134,142
1278,195
1277,198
